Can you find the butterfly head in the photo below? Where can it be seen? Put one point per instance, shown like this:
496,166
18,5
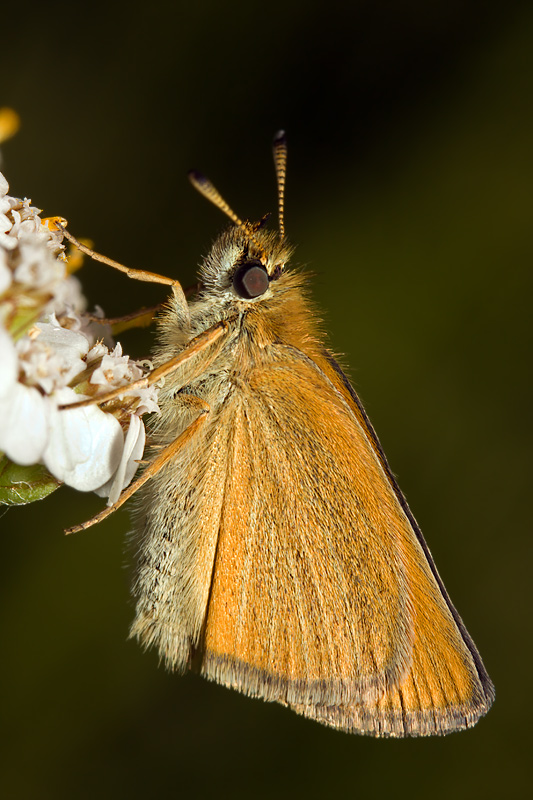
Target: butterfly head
243,267
246,260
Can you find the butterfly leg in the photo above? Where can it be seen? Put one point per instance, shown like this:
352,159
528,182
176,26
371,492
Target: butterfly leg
141,318
195,346
154,466
135,274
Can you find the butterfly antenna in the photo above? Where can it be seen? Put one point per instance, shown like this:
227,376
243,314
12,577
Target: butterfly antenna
205,187
280,162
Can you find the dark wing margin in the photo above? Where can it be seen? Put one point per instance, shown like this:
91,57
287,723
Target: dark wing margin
486,682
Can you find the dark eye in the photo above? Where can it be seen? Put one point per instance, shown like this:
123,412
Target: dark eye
251,280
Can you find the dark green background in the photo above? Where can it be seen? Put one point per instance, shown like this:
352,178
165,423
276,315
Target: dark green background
410,194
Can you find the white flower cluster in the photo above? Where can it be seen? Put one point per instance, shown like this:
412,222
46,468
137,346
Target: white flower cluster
49,358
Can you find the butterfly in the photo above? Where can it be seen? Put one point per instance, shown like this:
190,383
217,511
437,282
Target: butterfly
276,553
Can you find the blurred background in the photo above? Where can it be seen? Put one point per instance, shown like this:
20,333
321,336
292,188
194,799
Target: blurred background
410,196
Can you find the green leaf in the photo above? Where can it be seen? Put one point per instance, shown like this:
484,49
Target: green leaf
21,485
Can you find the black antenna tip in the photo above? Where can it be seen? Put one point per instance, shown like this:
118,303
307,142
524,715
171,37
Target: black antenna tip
196,177
280,137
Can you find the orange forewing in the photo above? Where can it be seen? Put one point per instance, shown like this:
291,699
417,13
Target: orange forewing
324,595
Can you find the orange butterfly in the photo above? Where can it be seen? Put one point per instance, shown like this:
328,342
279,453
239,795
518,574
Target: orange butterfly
276,552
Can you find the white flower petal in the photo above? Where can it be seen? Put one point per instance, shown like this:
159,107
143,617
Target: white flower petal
147,400
36,266
6,241
138,440
68,297
8,364
85,445
5,223
97,351
133,451
70,346
25,414
116,370
6,276
62,339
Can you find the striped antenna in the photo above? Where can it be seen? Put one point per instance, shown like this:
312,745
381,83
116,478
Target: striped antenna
205,187
280,162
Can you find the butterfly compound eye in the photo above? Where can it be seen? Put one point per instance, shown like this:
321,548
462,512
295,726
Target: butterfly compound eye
251,280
